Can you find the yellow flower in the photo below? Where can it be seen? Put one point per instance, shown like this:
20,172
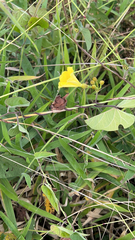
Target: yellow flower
68,79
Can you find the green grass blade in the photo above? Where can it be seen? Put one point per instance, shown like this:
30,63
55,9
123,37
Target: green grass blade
7,12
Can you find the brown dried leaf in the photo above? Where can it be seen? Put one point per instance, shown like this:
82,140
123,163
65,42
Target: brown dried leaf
59,103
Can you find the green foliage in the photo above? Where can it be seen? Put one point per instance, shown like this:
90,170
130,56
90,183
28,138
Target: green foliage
76,236
11,166
51,196
17,102
80,157
34,21
61,231
27,178
110,120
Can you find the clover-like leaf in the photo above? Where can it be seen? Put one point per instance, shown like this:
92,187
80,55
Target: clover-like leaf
110,120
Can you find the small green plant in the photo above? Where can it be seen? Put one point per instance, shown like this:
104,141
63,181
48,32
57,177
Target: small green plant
67,99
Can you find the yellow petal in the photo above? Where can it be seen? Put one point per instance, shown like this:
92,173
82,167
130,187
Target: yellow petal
68,79
70,70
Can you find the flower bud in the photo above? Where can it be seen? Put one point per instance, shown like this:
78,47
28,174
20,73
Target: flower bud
94,87
102,82
76,30
92,82
94,79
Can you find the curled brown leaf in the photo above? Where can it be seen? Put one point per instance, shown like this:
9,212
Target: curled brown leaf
59,103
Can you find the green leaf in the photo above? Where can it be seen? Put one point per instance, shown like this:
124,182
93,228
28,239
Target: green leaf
22,129
110,120
9,223
43,154
57,67
21,16
35,21
27,67
66,120
87,36
66,150
129,174
16,129
17,102
7,90
3,31
124,4
129,236
66,55
7,205
17,151
5,133
77,236
79,24
38,211
23,78
8,186
42,11
34,92
11,166
94,51
127,103
114,207
47,190
108,177
27,179
132,69
7,12
61,231
10,194
29,226
22,4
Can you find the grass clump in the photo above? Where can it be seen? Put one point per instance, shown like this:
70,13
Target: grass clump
67,120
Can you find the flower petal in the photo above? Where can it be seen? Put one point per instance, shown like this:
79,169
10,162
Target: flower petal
68,79
70,70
